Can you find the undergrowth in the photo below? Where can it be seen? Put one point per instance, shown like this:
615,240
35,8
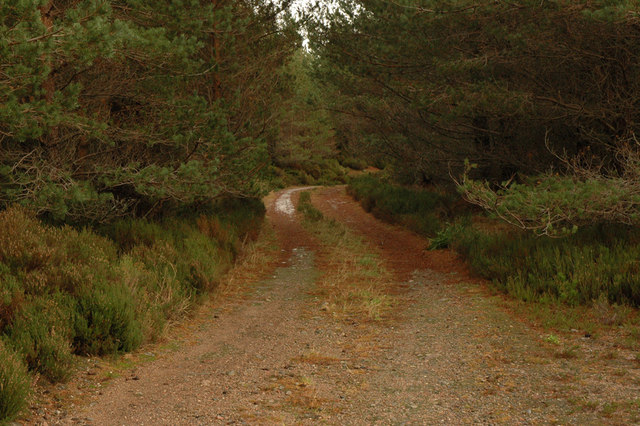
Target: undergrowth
66,292
317,172
596,263
419,210
355,280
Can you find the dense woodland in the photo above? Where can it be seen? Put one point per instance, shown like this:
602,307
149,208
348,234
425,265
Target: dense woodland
136,138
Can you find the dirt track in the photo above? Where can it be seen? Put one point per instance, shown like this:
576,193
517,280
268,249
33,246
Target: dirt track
450,355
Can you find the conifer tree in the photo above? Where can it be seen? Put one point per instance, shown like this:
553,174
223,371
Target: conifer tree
113,107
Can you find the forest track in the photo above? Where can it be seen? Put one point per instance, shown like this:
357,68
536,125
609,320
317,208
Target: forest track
450,354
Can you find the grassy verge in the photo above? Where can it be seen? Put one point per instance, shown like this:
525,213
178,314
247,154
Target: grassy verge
421,211
596,263
590,277
67,292
355,282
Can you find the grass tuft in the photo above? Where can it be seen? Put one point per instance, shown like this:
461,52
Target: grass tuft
355,282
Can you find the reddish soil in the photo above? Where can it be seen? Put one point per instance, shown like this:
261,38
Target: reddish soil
402,249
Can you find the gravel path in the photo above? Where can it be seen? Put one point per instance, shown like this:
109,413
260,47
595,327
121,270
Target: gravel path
450,355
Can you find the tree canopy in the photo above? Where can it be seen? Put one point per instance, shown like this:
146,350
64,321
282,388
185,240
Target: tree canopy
430,83
112,107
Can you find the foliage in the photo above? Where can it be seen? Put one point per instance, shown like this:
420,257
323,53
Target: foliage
430,83
418,209
597,261
353,163
15,383
114,107
553,204
106,320
307,209
305,149
64,291
446,236
305,136
41,332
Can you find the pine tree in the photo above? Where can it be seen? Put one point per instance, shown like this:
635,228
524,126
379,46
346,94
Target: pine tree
113,107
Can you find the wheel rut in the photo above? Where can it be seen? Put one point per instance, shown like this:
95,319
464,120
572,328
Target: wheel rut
449,355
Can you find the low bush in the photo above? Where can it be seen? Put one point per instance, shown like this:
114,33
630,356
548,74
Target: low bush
15,384
420,210
447,235
65,291
598,261
311,172
106,320
41,332
353,163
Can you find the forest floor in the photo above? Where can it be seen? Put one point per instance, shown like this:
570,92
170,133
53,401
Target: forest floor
449,352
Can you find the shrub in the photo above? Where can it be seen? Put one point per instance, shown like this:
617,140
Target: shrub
106,321
41,333
600,261
24,242
161,287
202,262
419,210
552,204
128,233
353,163
64,290
15,386
11,296
445,237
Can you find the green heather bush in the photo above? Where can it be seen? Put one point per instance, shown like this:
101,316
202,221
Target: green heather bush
41,332
24,243
131,232
196,252
419,210
15,383
445,237
326,171
11,295
599,261
107,320
353,163
66,291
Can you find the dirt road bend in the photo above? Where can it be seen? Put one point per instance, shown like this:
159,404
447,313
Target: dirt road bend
450,354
